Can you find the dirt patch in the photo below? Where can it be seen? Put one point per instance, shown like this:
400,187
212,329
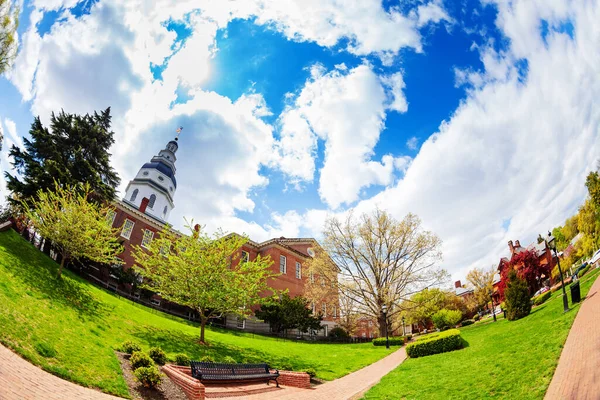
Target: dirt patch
167,390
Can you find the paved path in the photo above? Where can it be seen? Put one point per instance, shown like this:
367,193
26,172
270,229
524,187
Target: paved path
577,376
351,386
20,380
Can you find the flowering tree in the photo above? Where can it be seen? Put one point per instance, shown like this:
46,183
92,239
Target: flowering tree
528,267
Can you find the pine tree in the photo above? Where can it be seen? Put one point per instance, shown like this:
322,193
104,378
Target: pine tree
516,295
72,152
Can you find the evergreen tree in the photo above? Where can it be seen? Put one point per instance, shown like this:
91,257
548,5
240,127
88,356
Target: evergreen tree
516,295
73,151
288,313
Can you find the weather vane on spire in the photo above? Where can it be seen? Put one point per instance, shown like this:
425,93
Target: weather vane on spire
178,132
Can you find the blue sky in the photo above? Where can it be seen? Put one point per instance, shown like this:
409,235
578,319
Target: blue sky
295,111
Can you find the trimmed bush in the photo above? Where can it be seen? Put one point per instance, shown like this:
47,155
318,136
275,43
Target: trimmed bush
477,317
338,334
129,347
445,319
516,296
148,376
311,372
541,298
182,359
158,355
394,341
440,343
207,358
139,359
467,322
229,360
584,271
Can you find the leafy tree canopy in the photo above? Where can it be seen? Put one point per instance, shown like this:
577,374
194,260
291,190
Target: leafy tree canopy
518,304
199,271
77,227
9,22
73,151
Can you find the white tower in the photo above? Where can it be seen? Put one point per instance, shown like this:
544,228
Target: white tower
155,181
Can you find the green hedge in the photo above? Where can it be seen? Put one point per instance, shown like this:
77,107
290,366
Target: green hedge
394,341
541,298
467,322
433,344
584,271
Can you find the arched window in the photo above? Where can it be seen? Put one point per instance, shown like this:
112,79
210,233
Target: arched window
134,195
165,211
152,201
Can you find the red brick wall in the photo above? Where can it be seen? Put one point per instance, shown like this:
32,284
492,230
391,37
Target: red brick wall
136,235
294,379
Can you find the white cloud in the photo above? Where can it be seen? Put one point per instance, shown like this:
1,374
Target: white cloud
515,149
412,143
345,109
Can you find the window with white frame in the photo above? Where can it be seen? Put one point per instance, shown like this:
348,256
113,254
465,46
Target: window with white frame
245,256
241,323
134,195
312,277
313,308
127,228
298,270
110,217
322,281
152,201
282,264
324,309
147,239
334,311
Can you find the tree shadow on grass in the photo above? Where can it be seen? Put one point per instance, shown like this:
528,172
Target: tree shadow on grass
174,341
39,272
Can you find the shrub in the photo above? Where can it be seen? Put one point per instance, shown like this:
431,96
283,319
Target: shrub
408,337
445,319
541,298
311,372
440,343
516,296
139,359
182,359
129,347
207,358
229,360
467,322
477,317
394,341
158,355
148,376
338,334
44,349
584,271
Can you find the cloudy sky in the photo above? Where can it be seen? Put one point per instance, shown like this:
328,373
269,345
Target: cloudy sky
482,117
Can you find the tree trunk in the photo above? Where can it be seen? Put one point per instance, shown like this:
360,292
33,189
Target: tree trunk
62,264
202,325
382,322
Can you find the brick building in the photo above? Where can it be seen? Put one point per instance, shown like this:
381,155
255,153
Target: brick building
143,213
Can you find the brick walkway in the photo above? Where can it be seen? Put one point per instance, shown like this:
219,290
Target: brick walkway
351,386
20,380
578,373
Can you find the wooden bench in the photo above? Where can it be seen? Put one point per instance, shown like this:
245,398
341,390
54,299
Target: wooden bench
218,372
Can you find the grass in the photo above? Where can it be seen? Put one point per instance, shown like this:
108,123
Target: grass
70,328
506,359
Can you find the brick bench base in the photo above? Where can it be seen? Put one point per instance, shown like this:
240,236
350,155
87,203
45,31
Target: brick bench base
182,377
195,390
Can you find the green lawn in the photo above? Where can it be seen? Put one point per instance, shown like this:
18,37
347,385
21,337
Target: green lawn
82,324
506,359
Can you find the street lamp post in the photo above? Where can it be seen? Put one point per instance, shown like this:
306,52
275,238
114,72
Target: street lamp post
493,308
403,327
387,339
552,245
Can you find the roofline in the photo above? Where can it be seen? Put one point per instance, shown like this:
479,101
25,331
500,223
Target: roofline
125,205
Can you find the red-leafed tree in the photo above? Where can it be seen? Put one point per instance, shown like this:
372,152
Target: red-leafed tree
528,267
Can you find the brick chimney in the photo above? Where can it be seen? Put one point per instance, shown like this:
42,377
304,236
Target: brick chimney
144,204
457,284
511,247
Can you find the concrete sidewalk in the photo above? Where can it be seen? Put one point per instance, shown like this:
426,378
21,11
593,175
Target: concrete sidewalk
577,376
